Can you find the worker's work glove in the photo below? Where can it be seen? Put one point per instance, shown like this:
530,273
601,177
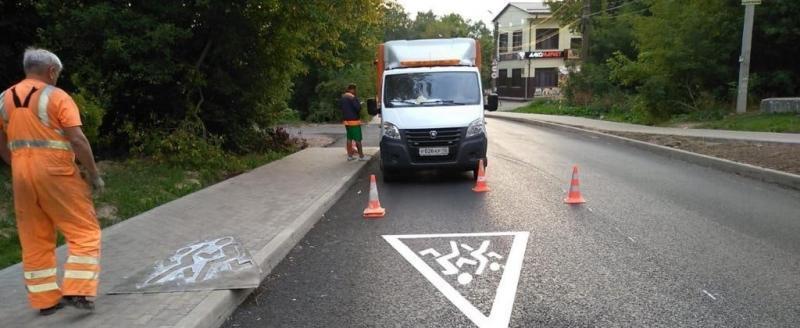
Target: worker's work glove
98,185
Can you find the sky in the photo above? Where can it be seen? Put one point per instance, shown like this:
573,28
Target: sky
474,10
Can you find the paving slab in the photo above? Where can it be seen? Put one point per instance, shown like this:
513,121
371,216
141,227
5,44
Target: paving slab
268,210
627,127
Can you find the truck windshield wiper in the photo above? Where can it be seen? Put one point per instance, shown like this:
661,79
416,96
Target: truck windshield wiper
409,102
441,101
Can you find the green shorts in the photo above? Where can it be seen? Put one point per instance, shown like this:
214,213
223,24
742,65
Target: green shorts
353,132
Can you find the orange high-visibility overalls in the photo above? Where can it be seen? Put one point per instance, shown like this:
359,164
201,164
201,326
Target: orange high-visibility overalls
49,192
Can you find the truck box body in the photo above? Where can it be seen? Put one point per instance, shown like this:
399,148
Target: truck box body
432,105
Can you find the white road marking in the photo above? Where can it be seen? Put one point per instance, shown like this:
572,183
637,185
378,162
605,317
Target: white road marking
479,255
590,209
430,251
709,294
444,261
464,260
500,314
631,239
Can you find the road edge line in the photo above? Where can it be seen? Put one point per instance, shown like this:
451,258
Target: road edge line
215,309
784,179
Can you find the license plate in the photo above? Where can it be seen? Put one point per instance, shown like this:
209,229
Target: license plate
434,151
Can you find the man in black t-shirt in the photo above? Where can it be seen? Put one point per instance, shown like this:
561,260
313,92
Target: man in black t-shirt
351,109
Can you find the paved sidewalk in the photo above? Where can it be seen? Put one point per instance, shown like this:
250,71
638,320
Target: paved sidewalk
509,105
268,210
626,127
333,135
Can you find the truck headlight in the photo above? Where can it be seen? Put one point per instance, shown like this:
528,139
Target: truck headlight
390,131
475,128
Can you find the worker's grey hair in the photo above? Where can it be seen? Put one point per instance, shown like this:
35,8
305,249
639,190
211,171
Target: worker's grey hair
39,60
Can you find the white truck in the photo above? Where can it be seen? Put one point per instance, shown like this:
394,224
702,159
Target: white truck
431,103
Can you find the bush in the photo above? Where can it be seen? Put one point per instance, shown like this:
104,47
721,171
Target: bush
182,147
91,115
323,111
324,107
262,141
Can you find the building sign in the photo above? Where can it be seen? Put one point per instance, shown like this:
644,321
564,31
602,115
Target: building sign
533,55
544,54
751,2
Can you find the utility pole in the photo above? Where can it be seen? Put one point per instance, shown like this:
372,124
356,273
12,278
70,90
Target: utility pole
744,59
585,30
496,60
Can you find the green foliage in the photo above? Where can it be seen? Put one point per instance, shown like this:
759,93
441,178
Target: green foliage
184,148
396,23
6,201
680,58
624,111
287,116
312,97
19,21
787,123
329,91
228,66
91,115
774,67
684,49
555,107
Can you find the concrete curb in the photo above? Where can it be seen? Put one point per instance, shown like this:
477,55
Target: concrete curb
784,179
220,304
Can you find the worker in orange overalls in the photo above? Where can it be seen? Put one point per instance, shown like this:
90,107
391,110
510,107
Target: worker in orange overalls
40,136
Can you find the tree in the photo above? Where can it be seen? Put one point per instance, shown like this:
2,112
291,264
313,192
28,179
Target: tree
213,67
687,55
18,24
396,23
678,57
775,71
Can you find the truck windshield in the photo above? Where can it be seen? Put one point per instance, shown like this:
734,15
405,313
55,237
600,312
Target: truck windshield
432,89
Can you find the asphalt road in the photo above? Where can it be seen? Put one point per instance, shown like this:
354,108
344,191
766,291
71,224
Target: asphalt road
660,242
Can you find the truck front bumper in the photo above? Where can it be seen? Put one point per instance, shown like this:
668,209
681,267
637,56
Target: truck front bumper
402,155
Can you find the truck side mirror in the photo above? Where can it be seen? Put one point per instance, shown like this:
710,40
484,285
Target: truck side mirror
372,107
491,103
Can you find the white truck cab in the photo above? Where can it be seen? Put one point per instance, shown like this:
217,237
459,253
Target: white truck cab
431,103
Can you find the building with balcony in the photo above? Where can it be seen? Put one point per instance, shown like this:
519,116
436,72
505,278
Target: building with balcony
533,51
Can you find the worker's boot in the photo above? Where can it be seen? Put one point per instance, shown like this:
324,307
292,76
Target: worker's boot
51,310
80,302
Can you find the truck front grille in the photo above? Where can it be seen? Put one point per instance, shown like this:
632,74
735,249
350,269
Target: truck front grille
444,137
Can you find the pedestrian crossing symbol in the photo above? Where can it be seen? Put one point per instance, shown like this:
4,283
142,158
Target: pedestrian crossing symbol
465,266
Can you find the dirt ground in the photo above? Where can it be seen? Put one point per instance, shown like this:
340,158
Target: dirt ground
776,156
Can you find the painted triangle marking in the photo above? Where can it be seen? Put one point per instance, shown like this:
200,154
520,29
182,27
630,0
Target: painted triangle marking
500,314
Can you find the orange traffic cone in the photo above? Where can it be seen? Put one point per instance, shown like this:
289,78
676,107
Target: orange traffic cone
374,209
574,196
480,184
